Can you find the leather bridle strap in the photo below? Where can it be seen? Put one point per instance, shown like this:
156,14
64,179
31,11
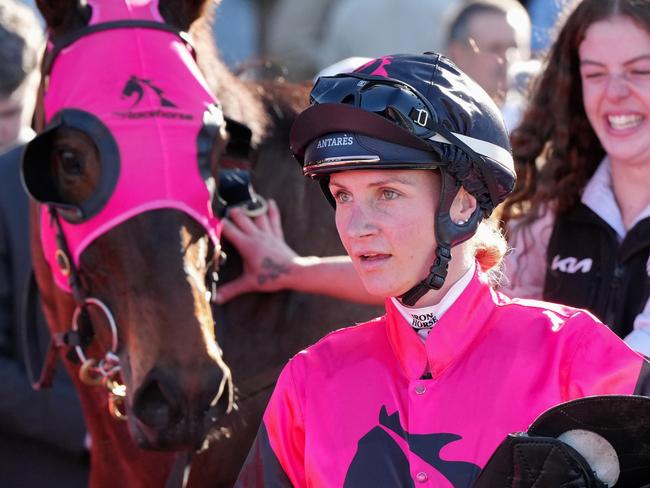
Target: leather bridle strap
29,329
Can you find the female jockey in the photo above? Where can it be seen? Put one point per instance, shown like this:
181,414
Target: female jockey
414,157
580,225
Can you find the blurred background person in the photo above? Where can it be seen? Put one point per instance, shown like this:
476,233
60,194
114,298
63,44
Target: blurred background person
371,28
488,40
19,48
309,36
294,35
42,433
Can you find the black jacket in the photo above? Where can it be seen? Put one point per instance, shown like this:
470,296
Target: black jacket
41,433
587,267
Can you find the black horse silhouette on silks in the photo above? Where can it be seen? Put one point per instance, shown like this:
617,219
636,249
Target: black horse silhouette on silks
136,85
380,461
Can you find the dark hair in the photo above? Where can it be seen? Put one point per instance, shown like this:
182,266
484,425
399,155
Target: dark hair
556,150
20,39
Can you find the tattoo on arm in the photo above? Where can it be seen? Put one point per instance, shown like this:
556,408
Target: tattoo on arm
273,271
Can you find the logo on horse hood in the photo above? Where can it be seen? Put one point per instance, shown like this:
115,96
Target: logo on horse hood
136,88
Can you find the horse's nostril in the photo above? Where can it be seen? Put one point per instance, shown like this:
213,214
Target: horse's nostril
154,407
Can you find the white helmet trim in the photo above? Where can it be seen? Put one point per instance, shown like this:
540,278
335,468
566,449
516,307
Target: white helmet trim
484,148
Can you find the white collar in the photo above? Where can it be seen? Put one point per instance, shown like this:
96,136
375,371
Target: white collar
422,319
599,197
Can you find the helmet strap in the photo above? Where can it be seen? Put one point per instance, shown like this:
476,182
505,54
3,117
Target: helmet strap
448,235
434,281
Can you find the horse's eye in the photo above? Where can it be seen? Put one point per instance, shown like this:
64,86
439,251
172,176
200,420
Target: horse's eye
69,162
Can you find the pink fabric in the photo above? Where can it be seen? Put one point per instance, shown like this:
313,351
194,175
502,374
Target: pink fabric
496,364
157,143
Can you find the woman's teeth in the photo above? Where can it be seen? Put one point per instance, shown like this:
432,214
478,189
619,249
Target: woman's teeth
624,121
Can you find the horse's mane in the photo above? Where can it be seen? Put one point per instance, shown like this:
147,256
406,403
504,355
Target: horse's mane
268,108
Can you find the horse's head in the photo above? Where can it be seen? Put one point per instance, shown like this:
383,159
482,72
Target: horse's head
125,186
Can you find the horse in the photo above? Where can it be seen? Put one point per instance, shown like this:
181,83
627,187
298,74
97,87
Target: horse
128,304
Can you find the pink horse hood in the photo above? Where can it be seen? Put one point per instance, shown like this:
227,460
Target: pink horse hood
156,115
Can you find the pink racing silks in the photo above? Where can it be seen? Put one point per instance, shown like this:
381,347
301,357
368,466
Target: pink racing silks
372,405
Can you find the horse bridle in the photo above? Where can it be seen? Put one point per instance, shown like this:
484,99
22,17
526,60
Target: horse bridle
81,333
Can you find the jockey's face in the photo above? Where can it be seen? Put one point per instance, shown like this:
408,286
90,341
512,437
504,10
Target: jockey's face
386,222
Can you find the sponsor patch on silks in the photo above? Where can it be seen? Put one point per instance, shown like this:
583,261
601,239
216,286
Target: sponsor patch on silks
423,321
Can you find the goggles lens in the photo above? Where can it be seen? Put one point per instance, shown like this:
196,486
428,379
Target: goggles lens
389,98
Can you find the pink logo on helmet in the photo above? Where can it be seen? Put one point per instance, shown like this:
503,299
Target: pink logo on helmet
379,70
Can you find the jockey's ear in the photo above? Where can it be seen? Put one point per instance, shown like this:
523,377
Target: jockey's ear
183,13
63,16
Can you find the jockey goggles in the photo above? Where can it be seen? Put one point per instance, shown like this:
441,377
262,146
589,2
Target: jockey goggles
405,109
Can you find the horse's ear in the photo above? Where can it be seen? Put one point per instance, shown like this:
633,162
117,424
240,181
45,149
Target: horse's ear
183,13
63,16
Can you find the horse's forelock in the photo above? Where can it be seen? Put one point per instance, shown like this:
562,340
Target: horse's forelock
63,16
183,13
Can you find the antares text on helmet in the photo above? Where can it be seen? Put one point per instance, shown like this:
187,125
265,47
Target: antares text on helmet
335,141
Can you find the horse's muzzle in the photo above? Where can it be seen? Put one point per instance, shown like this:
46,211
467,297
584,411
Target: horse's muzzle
167,413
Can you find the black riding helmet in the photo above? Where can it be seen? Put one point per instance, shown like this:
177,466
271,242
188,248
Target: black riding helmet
410,112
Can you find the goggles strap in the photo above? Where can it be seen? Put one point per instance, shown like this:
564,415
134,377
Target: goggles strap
476,149
448,235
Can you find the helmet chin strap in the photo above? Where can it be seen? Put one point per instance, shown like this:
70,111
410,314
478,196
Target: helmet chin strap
448,235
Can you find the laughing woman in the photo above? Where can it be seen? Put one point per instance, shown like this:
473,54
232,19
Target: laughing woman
414,157
581,224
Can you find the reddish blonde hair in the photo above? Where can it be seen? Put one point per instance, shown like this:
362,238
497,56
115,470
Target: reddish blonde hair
489,247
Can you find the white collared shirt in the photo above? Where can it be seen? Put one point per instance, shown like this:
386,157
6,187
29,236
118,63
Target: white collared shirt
599,197
422,319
